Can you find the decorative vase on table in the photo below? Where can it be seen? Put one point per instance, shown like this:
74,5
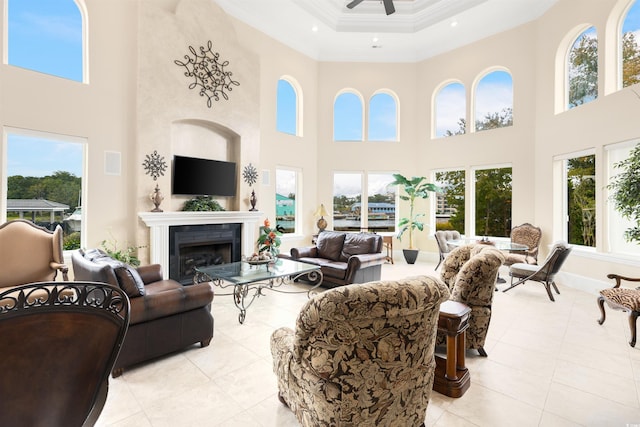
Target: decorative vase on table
269,239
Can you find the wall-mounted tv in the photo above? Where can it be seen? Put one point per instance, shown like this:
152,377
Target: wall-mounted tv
203,177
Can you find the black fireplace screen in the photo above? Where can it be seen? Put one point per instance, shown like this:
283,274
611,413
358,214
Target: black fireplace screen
192,246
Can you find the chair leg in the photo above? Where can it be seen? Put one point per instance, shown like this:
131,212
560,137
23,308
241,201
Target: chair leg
281,399
547,286
633,316
555,287
603,316
439,262
482,352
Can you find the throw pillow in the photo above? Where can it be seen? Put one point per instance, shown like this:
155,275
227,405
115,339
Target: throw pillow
130,280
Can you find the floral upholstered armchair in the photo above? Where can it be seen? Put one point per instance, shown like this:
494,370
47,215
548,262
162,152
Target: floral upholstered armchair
471,271
361,354
529,235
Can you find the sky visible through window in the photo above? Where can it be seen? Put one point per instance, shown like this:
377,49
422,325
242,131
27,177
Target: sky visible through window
46,36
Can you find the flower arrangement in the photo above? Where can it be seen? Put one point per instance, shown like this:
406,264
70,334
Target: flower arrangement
269,240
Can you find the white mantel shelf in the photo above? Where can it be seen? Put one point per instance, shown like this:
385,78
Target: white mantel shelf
159,223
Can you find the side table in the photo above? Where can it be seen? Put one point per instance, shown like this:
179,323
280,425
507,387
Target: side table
452,377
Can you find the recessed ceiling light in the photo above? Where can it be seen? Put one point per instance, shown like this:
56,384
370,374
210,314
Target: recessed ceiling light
314,28
454,23
377,46
375,39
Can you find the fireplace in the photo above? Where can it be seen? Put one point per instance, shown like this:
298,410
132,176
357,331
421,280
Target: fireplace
193,246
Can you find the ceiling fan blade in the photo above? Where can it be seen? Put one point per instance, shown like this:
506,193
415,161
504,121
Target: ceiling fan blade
388,7
354,3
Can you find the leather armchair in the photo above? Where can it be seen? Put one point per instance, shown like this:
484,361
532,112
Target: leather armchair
165,316
30,253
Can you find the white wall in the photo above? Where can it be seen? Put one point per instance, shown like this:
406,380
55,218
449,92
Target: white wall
137,97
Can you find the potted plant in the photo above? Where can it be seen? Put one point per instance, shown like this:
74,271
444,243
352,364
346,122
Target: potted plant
625,194
415,188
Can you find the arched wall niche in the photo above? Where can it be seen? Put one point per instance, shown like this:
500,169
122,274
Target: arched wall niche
207,140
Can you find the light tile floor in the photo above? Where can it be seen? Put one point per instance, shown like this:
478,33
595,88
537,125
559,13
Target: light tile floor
549,364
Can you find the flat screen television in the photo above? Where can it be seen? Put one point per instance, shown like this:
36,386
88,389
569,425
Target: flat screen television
203,177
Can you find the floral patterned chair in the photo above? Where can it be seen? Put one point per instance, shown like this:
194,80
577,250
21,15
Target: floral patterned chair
361,354
529,235
471,271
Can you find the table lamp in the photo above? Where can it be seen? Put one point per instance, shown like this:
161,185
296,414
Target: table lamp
321,212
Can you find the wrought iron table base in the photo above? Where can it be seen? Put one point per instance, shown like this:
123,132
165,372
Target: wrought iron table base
242,296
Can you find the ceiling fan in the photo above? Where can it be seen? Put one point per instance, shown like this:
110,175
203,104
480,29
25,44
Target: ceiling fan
388,5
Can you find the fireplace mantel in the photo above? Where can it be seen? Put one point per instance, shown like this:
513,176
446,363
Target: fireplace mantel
159,223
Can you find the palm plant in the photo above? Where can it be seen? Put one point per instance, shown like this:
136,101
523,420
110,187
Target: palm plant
415,188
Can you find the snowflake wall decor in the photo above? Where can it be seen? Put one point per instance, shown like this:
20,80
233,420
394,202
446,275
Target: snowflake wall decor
154,165
208,73
250,174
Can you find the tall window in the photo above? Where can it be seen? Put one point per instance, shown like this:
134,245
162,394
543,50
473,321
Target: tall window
383,118
492,199
450,201
286,195
617,224
580,199
630,39
450,110
494,101
46,36
582,69
353,212
347,117
287,109
44,181
381,202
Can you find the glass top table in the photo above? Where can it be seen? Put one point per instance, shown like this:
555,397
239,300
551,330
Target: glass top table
250,279
503,245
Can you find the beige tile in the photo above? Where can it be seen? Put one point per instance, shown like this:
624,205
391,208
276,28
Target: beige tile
621,389
250,384
137,420
194,407
120,404
588,409
485,407
552,420
450,420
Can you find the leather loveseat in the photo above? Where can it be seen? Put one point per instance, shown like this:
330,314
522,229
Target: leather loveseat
345,258
165,316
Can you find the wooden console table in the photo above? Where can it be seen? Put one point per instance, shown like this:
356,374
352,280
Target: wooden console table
452,377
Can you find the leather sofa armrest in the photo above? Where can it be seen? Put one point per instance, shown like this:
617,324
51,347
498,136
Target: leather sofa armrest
357,262
150,273
307,252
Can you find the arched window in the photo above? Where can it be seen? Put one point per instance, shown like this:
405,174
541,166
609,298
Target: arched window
288,110
347,117
630,40
494,101
383,118
46,37
582,69
450,110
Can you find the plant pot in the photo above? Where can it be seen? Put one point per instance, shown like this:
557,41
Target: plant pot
410,255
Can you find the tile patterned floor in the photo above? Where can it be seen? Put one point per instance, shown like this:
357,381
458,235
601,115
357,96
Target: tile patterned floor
549,364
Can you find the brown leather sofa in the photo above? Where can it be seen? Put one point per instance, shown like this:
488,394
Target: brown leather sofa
165,316
345,258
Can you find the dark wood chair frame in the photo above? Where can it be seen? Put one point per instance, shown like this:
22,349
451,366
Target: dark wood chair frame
60,341
633,314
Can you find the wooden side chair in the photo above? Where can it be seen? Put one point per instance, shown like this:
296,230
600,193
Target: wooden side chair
623,299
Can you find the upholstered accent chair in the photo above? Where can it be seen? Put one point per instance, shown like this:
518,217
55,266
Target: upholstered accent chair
361,354
525,234
442,236
30,253
624,299
473,284
544,273
58,350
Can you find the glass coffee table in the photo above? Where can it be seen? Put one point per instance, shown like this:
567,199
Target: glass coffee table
250,279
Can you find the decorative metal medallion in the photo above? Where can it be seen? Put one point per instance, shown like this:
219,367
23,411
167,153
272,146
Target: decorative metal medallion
208,73
250,174
154,165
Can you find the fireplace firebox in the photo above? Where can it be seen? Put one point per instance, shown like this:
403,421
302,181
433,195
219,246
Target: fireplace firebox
192,246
